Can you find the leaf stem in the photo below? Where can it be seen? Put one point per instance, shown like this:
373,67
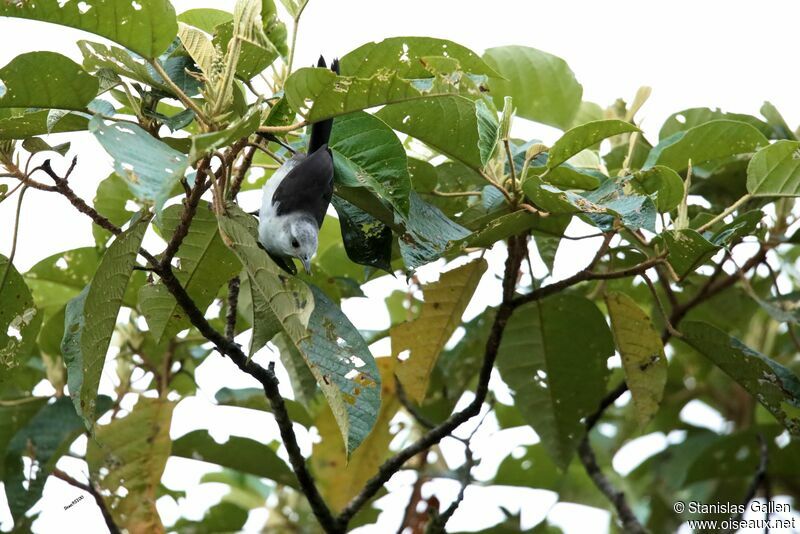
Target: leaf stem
733,207
14,239
296,21
188,102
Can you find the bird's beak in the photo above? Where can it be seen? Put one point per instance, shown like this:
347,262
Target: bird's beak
306,264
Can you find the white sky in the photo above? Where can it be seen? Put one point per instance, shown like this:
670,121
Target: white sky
729,54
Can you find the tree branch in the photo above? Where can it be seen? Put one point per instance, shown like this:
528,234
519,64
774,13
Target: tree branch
189,209
233,300
90,489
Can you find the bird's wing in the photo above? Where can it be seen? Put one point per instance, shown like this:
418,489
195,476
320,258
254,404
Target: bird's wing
308,187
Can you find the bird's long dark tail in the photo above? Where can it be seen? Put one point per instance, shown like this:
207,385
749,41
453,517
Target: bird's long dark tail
321,131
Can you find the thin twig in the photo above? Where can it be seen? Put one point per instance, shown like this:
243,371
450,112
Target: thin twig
13,253
660,306
282,129
241,171
188,102
189,209
90,489
233,300
733,207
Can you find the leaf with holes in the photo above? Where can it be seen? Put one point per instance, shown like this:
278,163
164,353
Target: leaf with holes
149,166
367,153
131,453
146,27
542,361
92,316
20,319
45,80
687,249
776,387
642,353
425,337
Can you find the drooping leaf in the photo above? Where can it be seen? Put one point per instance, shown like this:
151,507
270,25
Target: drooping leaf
428,233
304,384
707,142
542,86
367,240
780,130
585,136
405,55
642,353
242,454
341,477
205,265
150,167
92,315
557,377
426,336
775,170
45,80
146,27
256,310
19,318
332,348
449,124
35,145
254,399
776,387
367,153
131,453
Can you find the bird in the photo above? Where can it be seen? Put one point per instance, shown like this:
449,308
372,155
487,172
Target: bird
295,199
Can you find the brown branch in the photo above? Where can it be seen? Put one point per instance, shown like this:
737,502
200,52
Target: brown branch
189,209
630,523
241,171
91,490
233,301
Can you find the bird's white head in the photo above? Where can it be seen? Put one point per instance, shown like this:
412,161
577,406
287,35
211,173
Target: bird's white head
301,239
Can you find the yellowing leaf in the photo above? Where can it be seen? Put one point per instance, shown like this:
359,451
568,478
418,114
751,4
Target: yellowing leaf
339,479
642,353
131,453
425,337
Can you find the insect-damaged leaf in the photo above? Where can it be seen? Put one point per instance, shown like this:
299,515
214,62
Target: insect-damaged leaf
426,336
131,453
367,240
92,315
150,167
428,233
45,80
776,387
146,27
334,351
19,318
642,354
557,377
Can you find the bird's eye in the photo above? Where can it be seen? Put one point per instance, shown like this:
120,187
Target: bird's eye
295,244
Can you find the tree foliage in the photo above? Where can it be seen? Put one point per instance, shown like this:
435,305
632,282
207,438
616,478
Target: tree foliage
692,282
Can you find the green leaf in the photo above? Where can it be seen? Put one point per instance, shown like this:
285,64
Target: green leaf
444,303
19,319
45,80
585,136
58,278
367,153
111,200
205,18
776,387
254,399
131,453
405,56
146,27
257,311
242,454
566,176
367,240
687,250
205,265
304,384
92,316
449,124
332,348
428,233
558,378
781,130
14,417
258,51
46,437
320,94
707,142
664,183
543,86
689,118
642,353
33,123
35,145
222,517
199,47
775,170
150,167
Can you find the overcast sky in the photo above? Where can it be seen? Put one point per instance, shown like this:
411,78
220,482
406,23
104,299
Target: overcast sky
730,54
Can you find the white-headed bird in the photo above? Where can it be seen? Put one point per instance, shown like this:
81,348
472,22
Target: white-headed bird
296,198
